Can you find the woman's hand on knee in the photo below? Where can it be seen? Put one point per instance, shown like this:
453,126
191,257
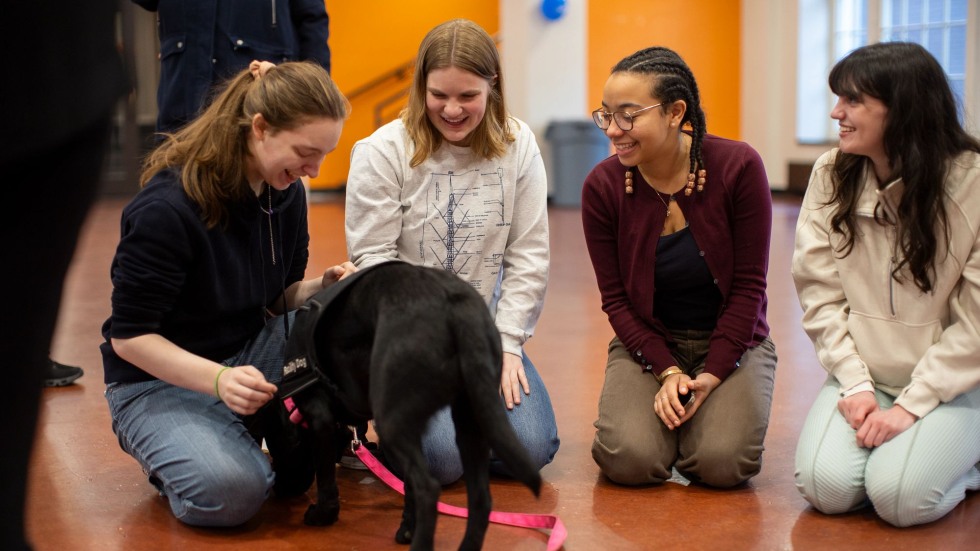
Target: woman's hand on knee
513,380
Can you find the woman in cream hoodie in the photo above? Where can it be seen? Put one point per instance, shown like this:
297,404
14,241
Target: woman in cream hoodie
887,267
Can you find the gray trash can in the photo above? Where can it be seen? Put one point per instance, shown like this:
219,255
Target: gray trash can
576,147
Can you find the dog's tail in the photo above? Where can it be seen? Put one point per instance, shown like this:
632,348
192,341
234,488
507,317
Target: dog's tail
481,376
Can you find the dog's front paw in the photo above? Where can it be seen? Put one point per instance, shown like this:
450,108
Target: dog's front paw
321,515
404,534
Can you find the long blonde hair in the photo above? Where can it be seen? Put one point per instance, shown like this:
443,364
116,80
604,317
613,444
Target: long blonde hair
211,151
463,44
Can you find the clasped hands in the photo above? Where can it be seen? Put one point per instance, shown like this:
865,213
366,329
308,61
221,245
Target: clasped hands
667,402
874,425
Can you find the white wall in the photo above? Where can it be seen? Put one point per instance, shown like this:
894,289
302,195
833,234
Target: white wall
544,62
769,87
544,65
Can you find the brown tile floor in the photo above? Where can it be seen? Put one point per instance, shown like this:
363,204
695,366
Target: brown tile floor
85,493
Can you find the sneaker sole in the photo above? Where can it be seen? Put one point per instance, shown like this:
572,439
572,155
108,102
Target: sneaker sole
64,381
352,463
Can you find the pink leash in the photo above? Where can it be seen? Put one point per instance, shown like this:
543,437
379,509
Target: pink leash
522,520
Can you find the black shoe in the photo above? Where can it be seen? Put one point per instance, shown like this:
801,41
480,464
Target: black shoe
57,374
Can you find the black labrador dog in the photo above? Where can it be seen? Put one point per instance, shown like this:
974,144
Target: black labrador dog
395,343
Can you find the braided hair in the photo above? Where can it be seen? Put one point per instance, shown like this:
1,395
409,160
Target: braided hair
674,81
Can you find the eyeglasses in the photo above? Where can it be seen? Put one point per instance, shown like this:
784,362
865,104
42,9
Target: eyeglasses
624,120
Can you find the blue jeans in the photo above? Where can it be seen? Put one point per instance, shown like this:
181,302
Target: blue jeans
533,421
196,451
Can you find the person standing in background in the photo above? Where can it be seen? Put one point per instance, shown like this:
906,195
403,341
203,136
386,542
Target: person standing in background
56,131
205,42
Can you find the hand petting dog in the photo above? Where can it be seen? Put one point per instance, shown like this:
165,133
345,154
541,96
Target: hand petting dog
337,273
243,389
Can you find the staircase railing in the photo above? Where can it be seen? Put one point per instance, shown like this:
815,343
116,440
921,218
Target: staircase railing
398,73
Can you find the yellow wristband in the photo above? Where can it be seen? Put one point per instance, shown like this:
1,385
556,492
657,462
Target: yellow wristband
216,377
667,373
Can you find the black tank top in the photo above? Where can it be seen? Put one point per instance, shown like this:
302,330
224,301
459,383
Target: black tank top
686,295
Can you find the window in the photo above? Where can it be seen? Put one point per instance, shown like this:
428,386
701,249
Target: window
939,25
829,29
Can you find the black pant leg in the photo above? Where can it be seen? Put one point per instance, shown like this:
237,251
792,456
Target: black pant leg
44,199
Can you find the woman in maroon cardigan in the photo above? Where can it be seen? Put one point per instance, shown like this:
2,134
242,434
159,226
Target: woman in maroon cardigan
677,224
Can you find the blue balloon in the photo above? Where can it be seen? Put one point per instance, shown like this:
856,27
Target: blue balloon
553,9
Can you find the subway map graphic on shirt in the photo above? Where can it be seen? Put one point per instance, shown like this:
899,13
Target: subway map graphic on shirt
459,209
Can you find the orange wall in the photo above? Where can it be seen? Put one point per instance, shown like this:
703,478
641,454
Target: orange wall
370,38
706,33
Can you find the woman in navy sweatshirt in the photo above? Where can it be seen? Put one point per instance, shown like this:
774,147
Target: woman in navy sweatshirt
212,255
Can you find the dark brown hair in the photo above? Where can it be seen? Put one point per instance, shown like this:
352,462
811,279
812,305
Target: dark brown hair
922,135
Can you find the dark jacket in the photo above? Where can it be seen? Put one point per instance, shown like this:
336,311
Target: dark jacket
203,42
731,222
206,290
68,72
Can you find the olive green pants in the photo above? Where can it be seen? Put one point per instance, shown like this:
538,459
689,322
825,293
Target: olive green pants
721,445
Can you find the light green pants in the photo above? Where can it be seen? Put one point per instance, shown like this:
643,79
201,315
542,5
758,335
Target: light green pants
914,478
